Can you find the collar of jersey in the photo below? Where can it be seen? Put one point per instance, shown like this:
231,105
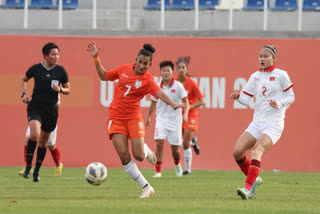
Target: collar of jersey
45,67
171,83
271,68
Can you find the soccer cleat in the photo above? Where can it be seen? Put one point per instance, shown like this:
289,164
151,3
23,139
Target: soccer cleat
58,170
186,172
36,177
147,192
27,172
151,156
21,172
195,146
254,187
157,175
243,192
178,170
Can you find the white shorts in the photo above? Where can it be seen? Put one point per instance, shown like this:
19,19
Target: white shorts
52,137
273,130
172,135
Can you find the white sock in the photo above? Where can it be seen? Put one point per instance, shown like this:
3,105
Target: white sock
187,159
133,171
146,149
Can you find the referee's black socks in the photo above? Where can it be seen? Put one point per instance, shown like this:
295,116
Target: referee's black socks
30,151
41,153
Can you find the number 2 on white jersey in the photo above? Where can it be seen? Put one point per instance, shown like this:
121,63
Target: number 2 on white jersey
127,92
264,88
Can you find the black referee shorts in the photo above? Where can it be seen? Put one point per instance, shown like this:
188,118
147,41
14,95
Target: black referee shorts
47,116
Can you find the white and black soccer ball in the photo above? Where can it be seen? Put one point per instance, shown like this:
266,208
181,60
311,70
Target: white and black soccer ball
96,173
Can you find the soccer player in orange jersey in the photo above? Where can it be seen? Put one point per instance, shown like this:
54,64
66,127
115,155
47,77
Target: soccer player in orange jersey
125,120
195,98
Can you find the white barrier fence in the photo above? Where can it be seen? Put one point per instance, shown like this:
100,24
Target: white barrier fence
162,13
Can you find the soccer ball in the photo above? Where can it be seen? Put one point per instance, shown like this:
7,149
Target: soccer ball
96,173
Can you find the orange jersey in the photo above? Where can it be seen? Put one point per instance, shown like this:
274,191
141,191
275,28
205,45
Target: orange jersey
194,94
129,91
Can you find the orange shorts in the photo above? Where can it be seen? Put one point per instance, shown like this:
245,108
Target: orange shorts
133,128
191,124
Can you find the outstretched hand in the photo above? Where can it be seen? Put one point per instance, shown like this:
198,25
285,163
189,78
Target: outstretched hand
273,103
92,49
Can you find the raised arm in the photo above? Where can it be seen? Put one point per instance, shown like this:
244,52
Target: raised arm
94,51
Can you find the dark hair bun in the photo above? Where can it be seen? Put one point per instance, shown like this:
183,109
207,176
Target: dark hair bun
149,47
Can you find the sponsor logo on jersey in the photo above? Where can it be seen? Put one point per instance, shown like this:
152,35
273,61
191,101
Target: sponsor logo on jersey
272,79
124,75
48,75
138,83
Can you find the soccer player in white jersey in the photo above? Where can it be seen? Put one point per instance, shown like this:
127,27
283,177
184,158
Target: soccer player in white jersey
54,150
169,121
273,91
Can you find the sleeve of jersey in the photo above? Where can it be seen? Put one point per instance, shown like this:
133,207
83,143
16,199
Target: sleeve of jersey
286,83
244,99
249,89
29,72
287,99
198,93
154,88
113,74
153,99
65,77
183,93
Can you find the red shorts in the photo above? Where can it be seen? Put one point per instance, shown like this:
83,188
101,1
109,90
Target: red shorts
191,124
133,128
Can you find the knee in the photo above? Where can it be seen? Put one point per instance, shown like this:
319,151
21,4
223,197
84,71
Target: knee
237,154
139,157
33,137
51,148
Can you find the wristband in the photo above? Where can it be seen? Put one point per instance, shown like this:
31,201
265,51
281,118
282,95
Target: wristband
60,89
96,59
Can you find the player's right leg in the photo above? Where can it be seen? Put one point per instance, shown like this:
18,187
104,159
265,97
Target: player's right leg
55,152
187,135
120,143
34,125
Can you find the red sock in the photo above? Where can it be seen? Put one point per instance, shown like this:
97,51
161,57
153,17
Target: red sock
158,166
253,173
56,156
176,162
25,153
244,164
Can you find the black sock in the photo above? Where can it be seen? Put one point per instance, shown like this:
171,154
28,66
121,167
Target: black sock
30,151
41,153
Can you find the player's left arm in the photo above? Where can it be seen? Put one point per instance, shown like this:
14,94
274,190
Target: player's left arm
185,101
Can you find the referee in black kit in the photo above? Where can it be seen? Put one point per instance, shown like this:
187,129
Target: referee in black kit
49,80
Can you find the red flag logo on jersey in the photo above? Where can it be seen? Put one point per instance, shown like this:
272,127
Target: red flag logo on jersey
272,78
173,90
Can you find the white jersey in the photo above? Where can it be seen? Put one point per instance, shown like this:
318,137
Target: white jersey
268,86
165,114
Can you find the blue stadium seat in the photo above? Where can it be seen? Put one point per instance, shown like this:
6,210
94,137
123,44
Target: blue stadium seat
208,4
254,5
285,5
182,5
311,5
41,4
68,4
13,4
156,4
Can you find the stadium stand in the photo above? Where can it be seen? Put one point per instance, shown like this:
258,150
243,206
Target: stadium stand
68,4
311,5
208,4
156,4
13,4
285,5
182,5
254,5
41,4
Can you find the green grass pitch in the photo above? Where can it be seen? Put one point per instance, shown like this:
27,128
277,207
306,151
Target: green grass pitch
201,192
